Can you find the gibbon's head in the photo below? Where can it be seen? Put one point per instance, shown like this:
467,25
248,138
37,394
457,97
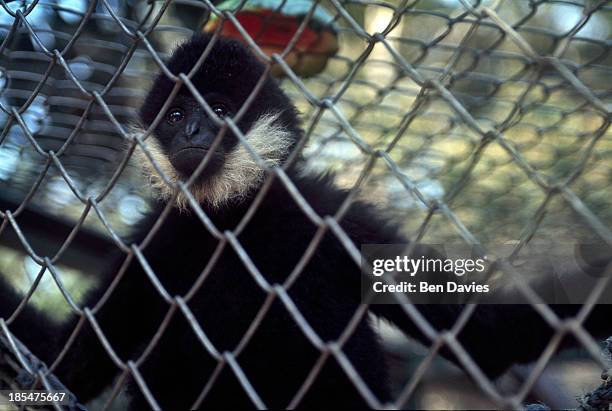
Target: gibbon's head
185,133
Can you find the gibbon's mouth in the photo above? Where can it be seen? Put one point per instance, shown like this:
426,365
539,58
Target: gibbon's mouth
187,159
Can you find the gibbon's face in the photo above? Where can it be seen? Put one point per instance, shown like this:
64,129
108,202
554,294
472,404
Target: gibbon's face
185,133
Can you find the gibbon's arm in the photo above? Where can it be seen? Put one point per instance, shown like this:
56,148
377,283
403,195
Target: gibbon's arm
496,336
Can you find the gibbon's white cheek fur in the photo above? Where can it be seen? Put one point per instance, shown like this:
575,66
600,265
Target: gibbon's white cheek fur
239,174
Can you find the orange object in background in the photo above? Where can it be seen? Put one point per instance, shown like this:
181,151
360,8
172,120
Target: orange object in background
273,31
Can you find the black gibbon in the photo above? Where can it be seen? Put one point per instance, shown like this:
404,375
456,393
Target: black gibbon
279,356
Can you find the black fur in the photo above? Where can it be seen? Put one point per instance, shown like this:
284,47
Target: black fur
279,357
229,71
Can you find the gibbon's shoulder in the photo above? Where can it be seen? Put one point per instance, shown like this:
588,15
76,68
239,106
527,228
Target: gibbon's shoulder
364,222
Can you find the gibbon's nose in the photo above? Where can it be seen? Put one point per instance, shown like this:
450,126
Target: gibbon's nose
192,128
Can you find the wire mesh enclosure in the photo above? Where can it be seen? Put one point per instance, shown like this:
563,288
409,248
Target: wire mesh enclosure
471,121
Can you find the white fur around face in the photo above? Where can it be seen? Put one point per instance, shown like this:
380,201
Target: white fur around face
239,175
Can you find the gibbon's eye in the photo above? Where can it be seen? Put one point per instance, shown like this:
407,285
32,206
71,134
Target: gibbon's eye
220,109
175,115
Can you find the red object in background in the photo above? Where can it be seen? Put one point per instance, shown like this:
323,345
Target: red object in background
273,31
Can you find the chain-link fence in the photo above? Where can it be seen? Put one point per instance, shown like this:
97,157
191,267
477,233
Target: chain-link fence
473,121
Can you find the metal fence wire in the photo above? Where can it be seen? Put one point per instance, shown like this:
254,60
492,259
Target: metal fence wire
474,121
